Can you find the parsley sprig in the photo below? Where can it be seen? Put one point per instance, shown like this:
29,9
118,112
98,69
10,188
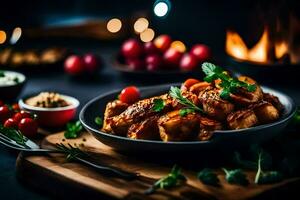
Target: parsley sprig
229,84
159,105
190,107
73,130
174,178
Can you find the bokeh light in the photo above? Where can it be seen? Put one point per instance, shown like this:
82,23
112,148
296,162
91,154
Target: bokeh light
2,37
141,25
16,34
161,8
179,46
114,25
147,35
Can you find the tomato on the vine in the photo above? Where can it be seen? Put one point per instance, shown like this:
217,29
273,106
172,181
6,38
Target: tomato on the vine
130,95
22,114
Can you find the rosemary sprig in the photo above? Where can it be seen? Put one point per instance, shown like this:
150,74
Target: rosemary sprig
175,93
70,151
14,134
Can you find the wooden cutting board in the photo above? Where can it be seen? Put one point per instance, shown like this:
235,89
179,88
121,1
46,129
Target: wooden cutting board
53,175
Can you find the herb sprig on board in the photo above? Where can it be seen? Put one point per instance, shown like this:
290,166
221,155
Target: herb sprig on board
70,151
209,177
174,178
229,84
236,176
190,107
73,130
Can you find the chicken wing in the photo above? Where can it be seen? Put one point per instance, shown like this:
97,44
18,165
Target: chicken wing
146,130
274,101
213,105
265,112
112,109
242,119
173,127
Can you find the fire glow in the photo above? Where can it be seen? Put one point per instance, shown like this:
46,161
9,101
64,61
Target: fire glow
260,52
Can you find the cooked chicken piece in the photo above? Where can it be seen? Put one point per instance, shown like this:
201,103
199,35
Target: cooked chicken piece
198,87
146,130
265,112
173,127
242,119
243,97
137,112
213,105
207,127
112,109
274,101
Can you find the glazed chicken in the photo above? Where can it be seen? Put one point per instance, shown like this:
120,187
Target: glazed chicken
173,127
213,105
243,108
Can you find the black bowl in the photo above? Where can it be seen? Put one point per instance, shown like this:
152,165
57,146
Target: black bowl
225,139
9,93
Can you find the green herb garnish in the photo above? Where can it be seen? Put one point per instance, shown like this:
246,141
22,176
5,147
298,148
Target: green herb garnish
71,152
174,178
268,176
16,80
236,176
99,121
2,73
229,84
73,130
159,105
208,176
175,93
14,134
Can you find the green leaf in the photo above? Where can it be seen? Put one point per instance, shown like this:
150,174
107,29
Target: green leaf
99,121
14,134
225,94
251,88
2,74
159,105
184,111
209,68
207,176
73,130
16,80
236,176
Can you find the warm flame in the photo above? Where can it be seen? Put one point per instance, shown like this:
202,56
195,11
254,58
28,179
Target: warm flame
236,47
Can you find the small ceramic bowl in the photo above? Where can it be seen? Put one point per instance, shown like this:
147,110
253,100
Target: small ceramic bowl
53,117
9,92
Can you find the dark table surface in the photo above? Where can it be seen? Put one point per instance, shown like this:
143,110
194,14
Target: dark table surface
85,90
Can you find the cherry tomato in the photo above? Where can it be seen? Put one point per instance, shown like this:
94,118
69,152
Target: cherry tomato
5,113
150,48
172,57
135,64
188,62
74,65
163,42
130,95
20,115
28,127
91,62
16,107
201,51
11,123
189,82
153,62
132,48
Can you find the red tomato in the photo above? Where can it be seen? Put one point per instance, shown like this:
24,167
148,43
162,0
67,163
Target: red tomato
132,48
163,42
130,95
189,82
74,65
16,107
150,48
153,62
201,51
135,64
91,63
28,127
11,123
20,115
172,57
5,113
188,62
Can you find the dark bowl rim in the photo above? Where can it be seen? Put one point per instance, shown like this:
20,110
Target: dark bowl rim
245,130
